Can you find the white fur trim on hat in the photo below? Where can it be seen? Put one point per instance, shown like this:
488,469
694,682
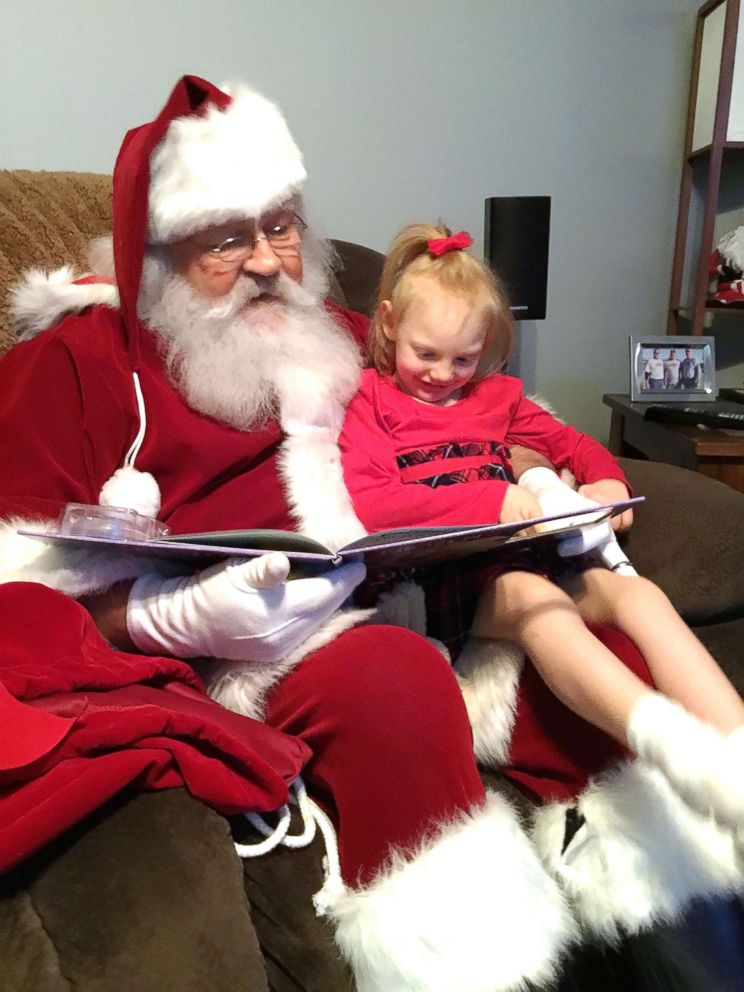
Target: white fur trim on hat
642,855
473,910
224,164
41,299
132,490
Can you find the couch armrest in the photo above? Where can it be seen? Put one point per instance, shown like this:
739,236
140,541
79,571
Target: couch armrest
358,271
689,538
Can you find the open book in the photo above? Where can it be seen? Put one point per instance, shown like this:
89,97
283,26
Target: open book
386,549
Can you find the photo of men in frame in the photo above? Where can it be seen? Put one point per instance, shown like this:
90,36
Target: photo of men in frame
672,368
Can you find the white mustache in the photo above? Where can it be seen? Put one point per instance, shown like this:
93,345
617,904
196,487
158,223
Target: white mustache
283,290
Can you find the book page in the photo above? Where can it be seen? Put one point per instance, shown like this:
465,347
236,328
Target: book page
385,549
424,545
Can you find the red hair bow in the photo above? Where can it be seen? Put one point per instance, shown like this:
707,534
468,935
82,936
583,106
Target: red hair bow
456,242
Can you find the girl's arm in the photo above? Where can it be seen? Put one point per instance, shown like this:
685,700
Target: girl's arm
565,447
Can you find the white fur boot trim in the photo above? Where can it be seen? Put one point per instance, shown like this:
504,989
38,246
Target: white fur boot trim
704,768
243,686
489,672
472,911
641,855
734,747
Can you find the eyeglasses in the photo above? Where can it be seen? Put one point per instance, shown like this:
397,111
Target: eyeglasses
283,232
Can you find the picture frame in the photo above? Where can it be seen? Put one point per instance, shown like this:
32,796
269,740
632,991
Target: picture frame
659,367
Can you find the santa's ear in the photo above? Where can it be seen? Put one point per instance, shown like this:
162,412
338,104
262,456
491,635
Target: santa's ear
385,316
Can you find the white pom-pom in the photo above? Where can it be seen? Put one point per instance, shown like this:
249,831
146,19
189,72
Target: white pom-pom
133,490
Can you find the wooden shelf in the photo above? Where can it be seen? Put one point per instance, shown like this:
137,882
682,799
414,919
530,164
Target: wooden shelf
716,453
711,82
728,310
731,148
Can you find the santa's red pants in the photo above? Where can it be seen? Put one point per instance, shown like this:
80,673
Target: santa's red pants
392,745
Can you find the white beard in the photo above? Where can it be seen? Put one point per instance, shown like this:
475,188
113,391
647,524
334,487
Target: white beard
244,363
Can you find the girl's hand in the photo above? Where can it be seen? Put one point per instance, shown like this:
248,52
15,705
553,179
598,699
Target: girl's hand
519,504
610,491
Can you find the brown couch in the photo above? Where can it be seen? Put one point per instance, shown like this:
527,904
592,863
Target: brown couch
80,915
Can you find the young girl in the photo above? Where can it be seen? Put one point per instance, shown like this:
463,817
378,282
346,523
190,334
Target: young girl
426,442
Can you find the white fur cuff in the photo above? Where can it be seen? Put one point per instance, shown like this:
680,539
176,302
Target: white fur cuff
472,911
71,571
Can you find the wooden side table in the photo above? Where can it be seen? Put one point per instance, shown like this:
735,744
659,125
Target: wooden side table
716,453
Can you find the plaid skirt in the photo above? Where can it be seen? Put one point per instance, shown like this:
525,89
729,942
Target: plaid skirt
452,589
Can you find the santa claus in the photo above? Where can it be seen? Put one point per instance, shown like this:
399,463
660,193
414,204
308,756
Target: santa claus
206,386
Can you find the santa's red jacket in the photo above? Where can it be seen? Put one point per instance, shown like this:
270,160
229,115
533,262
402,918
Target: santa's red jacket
79,721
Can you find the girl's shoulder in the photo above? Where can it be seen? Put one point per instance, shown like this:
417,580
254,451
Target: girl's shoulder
498,385
374,383
369,377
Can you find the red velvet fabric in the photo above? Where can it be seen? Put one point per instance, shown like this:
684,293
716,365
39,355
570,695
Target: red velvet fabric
80,721
69,414
391,741
554,752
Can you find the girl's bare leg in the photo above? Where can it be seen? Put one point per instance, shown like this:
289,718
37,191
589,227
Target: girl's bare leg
681,667
543,620
705,768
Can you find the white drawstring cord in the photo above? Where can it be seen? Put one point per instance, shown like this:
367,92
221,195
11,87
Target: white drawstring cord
137,443
307,809
312,817
333,887
273,837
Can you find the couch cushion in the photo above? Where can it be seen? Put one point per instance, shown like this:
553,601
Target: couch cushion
146,894
47,220
724,641
689,538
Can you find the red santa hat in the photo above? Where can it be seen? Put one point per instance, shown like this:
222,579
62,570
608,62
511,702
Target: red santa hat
209,156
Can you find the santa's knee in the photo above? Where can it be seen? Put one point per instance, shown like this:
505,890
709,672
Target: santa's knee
378,689
393,680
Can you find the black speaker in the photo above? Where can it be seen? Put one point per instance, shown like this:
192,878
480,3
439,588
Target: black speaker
516,247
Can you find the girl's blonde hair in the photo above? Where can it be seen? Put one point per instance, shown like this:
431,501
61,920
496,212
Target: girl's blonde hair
408,261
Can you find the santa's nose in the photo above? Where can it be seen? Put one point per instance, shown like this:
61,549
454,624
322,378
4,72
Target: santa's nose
263,260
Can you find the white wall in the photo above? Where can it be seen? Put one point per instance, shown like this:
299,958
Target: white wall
412,109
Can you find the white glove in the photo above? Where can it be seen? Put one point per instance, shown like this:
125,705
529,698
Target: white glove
554,496
239,610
